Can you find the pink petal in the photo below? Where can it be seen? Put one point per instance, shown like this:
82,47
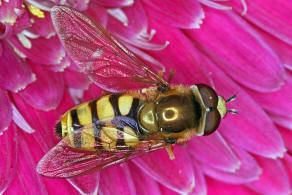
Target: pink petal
38,120
213,151
248,171
40,50
28,180
97,13
47,92
175,174
8,157
200,187
284,121
87,184
288,164
93,92
5,111
282,96
282,49
43,26
233,45
219,188
8,14
130,28
287,137
269,16
117,180
143,186
15,74
274,179
22,22
167,191
115,3
244,130
76,80
186,14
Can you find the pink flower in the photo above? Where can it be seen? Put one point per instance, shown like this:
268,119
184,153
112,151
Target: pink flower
243,51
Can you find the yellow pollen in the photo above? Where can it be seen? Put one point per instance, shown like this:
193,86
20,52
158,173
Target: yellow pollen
36,11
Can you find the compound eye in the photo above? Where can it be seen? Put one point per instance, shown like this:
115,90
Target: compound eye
209,96
212,122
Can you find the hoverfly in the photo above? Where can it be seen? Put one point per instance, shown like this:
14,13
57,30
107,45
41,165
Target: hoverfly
127,123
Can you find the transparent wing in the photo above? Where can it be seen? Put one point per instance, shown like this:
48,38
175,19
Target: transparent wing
64,161
107,62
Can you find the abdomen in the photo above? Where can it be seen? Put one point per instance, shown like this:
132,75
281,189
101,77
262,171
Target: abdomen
109,123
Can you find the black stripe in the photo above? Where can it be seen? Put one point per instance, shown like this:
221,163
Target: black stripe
95,123
120,145
196,108
134,109
93,110
115,104
76,126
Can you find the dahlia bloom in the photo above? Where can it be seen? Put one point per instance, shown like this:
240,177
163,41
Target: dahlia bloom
243,51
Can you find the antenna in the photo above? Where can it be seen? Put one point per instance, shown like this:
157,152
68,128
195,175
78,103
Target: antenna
232,111
231,98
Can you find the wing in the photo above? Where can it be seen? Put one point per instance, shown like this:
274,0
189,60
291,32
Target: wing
106,61
63,161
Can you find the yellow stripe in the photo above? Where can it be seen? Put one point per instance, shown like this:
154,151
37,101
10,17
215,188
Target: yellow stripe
69,128
125,104
104,108
130,137
87,138
109,138
84,114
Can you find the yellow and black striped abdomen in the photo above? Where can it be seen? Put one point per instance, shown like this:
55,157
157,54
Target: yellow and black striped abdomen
108,123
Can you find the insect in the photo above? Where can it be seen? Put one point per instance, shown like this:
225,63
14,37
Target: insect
132,120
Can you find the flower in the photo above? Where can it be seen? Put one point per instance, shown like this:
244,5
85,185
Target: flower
243,51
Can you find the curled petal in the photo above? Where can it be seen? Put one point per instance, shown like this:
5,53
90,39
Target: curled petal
248,171
15,74
76,80
87,184
273,180
20,121
235,47
214,151
269,16
175,174
117,180
186,14
216,187
40,50
8,157
47,92
115,3
143,186
282,96
5,111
